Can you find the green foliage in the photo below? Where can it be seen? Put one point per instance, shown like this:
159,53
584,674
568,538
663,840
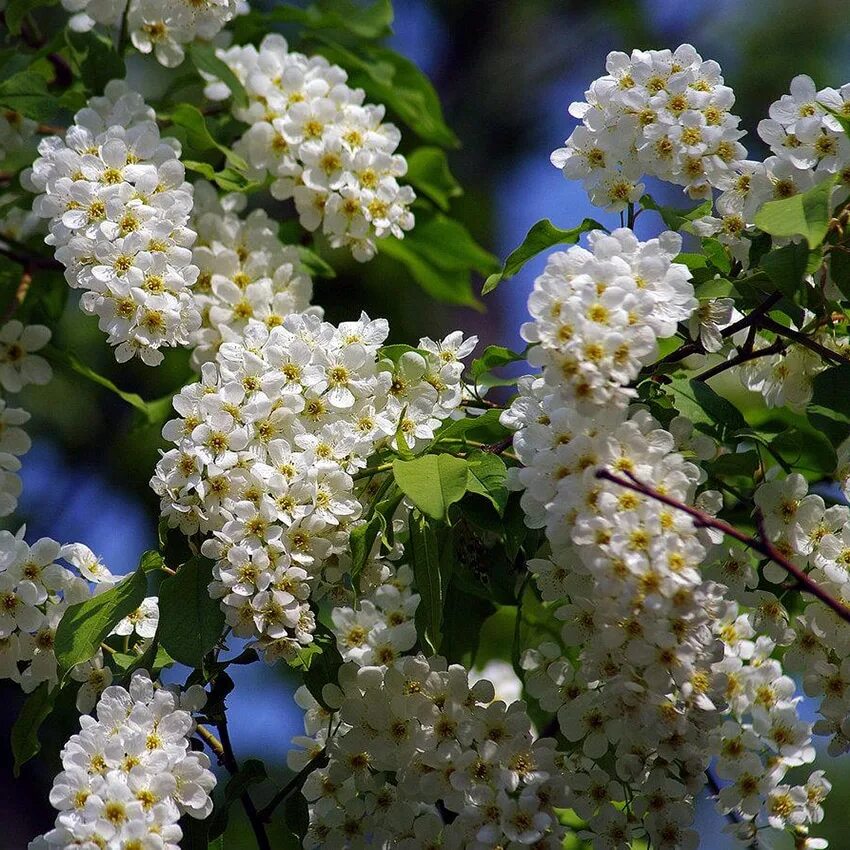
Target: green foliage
391,79
487,476
440,255
94,59
431,558
542,235
85,626
191,621
674,218
805,214
432,482
24,737
428,171
26,92
204,59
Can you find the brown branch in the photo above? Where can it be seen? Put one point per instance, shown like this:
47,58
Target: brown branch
828,354
294,784
758,544
739,359
223,750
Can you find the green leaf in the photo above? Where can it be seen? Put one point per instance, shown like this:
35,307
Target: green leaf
198,134
493,357
228,178
669,345
488,477
26,93
150,561
24,735
314,264
190,621
485,428
432,482
371,21
361,541
440,255
829,409
428,171
251,772
17,10
735,463
676,219
431,559
151,410
94,59
296,815
391,79
542,235
717,253
804,214
705,408
463,618
787,266
85,626
324,664
204,59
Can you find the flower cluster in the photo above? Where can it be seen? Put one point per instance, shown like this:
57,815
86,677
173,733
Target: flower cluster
326,149
246,272
162,27
266,445
808,147
19,366
381,627
597,313
659,667
35,591
117,204
130,774
657,113
414,741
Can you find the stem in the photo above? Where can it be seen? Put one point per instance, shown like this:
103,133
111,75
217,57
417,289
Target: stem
739,359
372,471
223,749
630,216
807,342
758,544
294,784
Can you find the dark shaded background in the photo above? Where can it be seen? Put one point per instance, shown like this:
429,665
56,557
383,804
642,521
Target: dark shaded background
506,71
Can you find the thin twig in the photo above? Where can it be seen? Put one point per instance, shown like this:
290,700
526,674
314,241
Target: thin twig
806,341
232,766
739,359
294,784
760,544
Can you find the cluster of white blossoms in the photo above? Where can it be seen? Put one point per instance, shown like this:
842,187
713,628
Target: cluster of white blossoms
246,272
266,445
808,146
19,367
161,27
656,113
598,313
326,149
659,668
417,757
130,774
381,627
35,591
118,207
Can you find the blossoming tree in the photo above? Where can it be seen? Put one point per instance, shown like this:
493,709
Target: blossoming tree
672,564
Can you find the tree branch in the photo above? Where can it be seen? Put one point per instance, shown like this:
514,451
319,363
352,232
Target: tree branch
223,750
758,544
294,784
